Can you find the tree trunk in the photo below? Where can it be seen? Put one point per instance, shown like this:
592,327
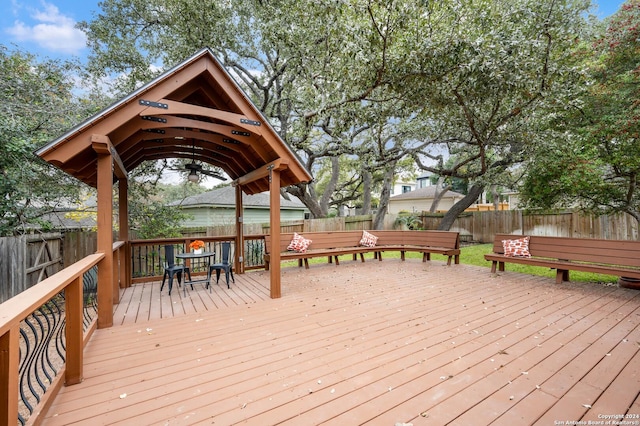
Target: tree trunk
496,197
300,191
634,214
460,206
331,186
366,192
438,195
378,220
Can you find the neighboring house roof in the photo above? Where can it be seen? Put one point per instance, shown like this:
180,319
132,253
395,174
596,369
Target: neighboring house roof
62,221
421,193
225,197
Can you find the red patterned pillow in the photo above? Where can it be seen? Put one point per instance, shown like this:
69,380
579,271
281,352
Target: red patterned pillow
368,239
298,243
516,248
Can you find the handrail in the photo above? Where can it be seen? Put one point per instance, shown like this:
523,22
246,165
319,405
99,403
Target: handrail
14,311
18,307
147,255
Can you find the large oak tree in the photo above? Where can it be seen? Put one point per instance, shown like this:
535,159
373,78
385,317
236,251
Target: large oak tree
473,79
592,160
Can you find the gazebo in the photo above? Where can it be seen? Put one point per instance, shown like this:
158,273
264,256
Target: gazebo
196,111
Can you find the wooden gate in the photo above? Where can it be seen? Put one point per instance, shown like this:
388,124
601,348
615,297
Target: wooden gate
26,260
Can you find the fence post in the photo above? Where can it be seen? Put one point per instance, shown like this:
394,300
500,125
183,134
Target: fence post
74,332
9,360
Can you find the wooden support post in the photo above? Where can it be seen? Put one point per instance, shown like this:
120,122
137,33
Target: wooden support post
123,216
239,258
105,237
274,221
9,379
73,332
116,275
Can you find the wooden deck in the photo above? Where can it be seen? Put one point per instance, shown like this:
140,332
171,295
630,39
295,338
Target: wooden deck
378,343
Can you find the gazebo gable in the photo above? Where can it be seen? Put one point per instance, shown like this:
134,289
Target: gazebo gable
193,111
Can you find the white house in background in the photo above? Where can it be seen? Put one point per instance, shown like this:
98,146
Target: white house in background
218,207
421,199
424,180
400,187
513,200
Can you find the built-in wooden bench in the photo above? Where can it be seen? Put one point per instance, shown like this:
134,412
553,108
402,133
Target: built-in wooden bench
610,257
337,243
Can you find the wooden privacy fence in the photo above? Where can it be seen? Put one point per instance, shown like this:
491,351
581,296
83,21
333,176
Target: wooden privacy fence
342,223
26,260
483,226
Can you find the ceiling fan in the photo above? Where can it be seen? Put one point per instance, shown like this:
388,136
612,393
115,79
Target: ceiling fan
195,168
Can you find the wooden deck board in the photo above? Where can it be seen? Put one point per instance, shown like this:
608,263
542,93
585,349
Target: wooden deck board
376,343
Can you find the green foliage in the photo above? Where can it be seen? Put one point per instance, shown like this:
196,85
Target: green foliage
376,81
36,105
149,212
156,220
407,220
489,84
592,158
474,255
169,193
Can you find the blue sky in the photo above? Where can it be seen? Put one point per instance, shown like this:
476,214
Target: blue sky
46,27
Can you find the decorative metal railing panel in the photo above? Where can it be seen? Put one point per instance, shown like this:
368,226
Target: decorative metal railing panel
42,345
148,258
254,253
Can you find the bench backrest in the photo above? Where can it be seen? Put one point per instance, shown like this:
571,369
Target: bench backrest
445,239
336,239
614,252
320,240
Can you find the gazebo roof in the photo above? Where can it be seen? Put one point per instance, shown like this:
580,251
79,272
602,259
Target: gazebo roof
193,111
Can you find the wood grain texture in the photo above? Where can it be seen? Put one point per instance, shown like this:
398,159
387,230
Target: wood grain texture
375,343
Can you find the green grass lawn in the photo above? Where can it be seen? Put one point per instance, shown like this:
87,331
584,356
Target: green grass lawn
474,255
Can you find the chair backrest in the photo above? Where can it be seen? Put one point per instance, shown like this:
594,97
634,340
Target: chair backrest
169,255
226,252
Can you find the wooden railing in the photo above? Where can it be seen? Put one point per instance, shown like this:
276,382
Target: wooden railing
148,258
67,288
58,308
43,331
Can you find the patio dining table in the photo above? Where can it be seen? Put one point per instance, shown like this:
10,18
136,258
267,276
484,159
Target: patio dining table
204,256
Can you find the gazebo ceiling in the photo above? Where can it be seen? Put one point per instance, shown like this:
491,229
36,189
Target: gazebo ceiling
193,111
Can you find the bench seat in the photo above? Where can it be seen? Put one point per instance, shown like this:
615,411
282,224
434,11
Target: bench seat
609,257
338,243
426,251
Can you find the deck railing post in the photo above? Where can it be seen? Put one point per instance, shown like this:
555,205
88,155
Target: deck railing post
9,360
122,261
74,332
116,276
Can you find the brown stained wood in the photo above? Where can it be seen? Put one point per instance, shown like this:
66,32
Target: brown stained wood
336,243
608,257
376,343
521,383
532,407
619,393
9,376
105,239
74,344
200,88
518,349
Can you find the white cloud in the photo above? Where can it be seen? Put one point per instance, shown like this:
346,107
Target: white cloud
50,30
